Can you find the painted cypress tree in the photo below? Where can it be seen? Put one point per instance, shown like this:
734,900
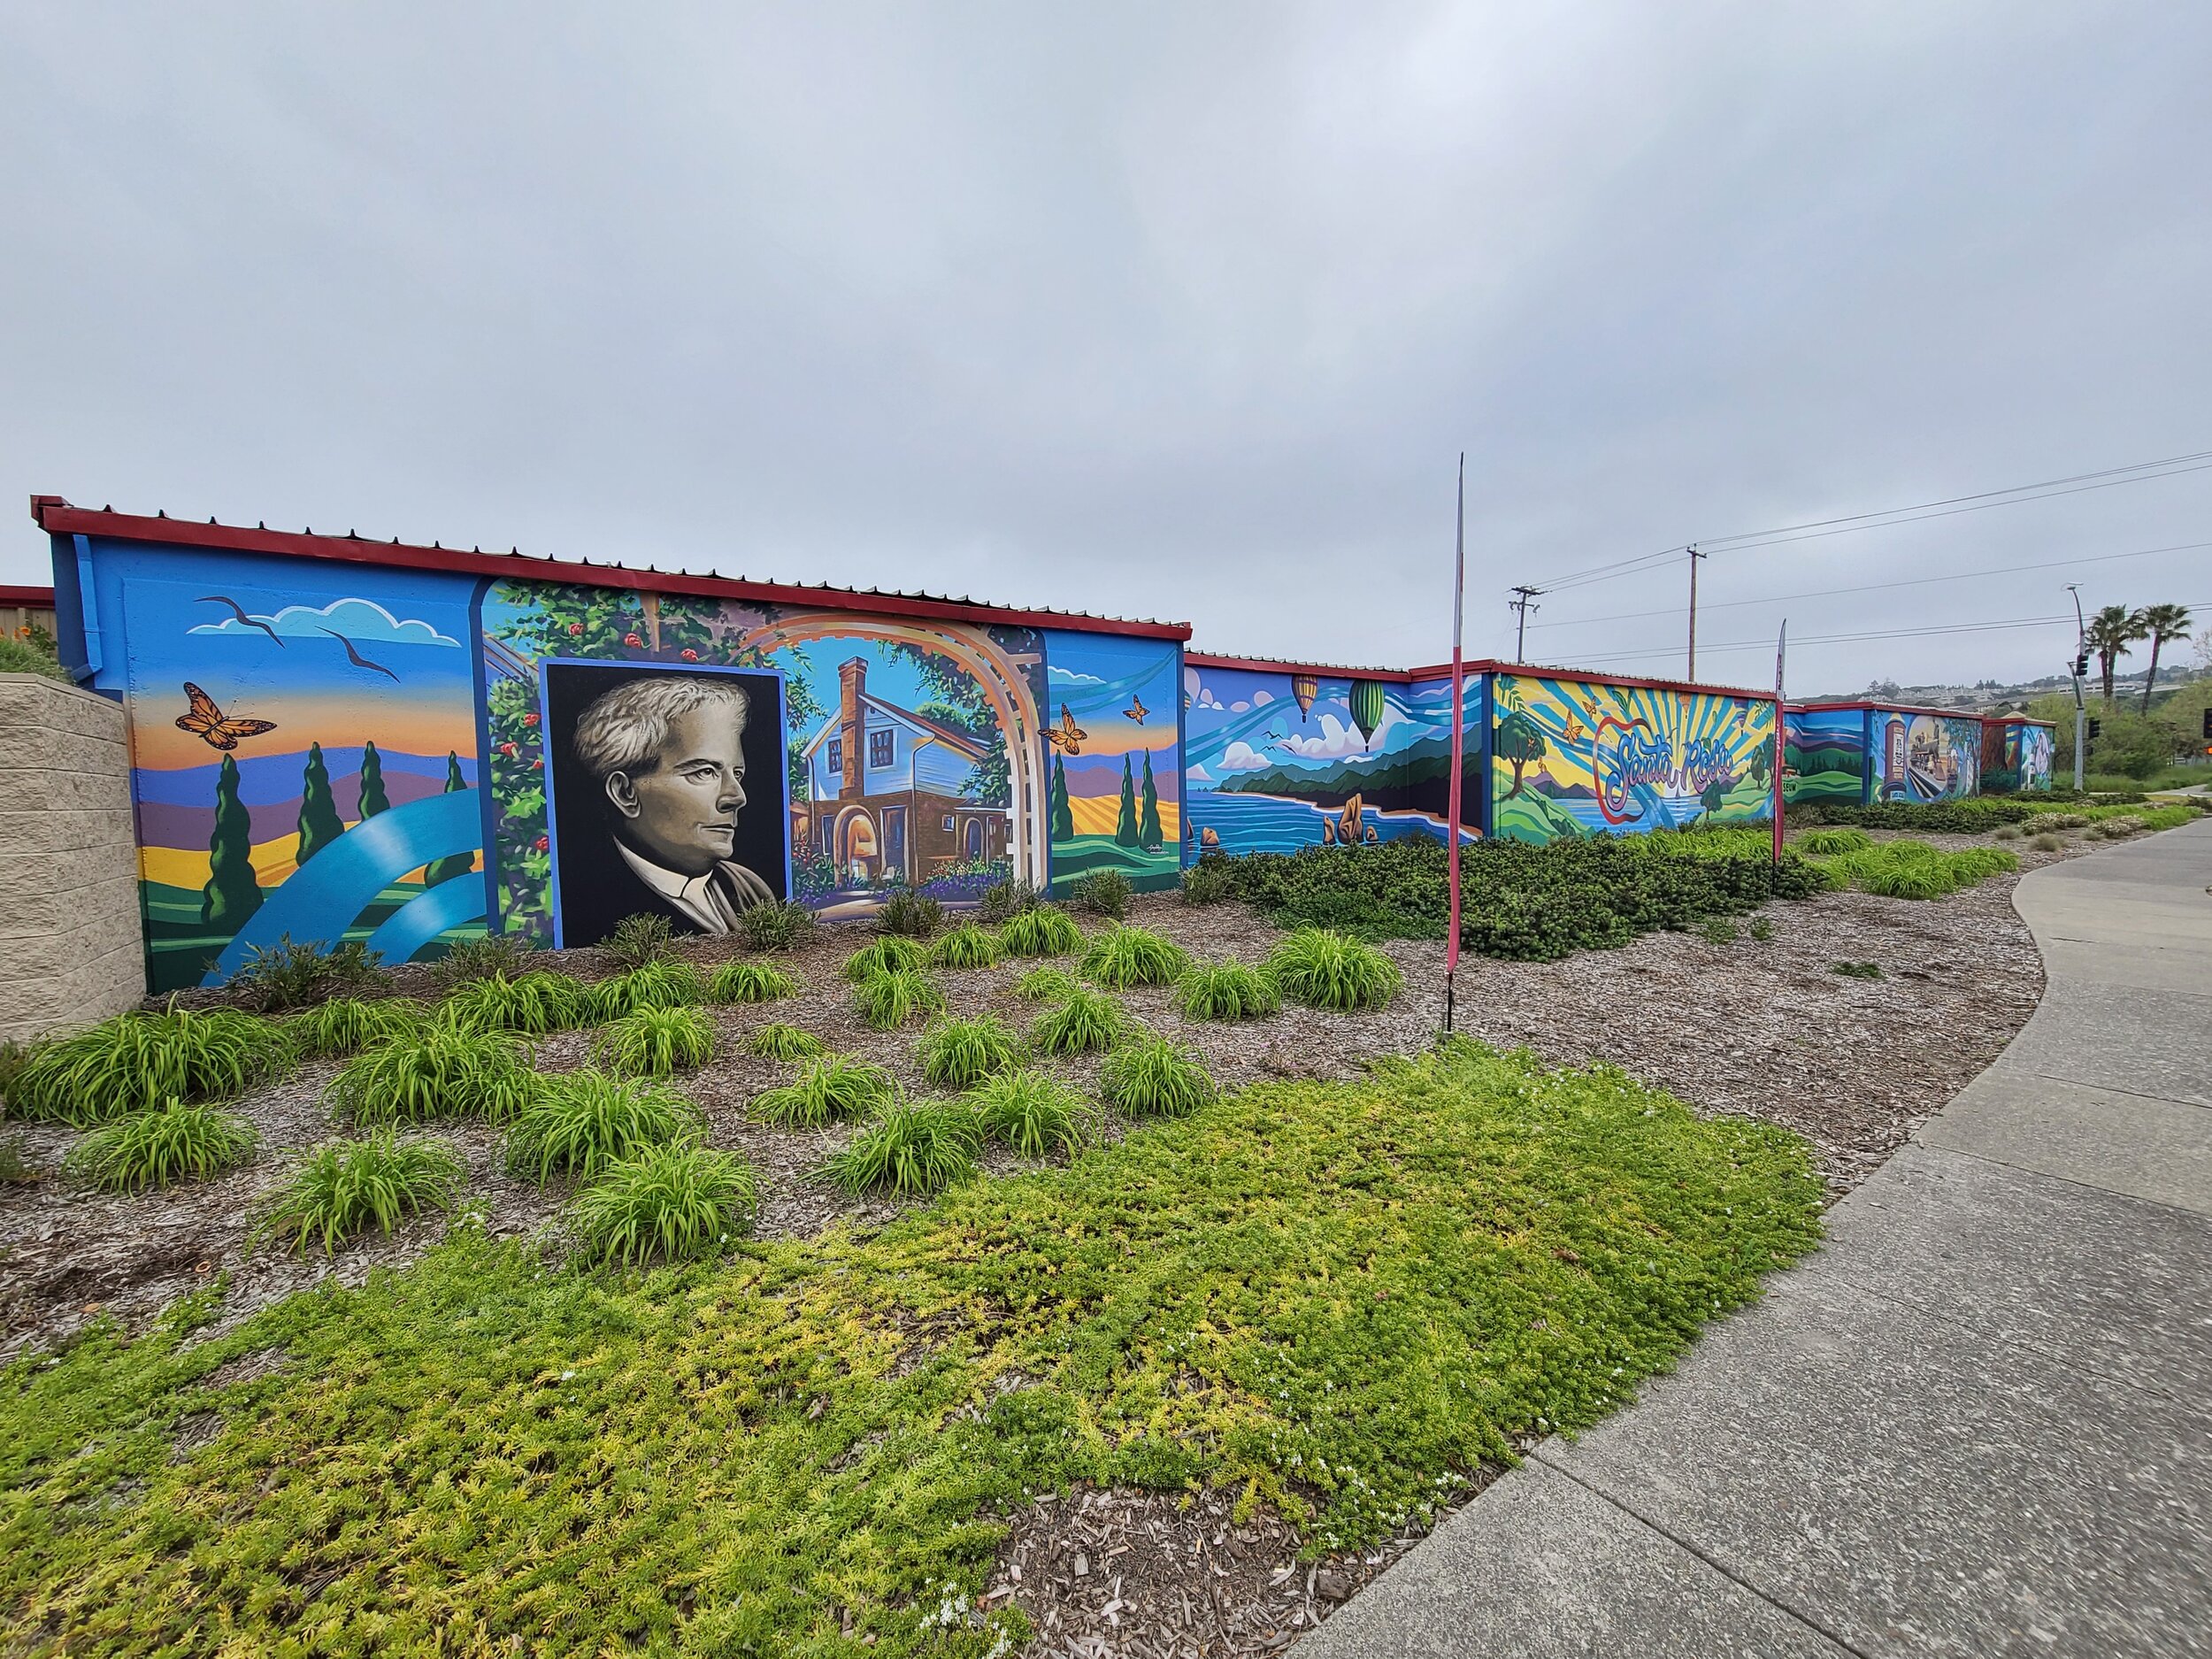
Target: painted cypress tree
1063,815
457,863
320,823
1149,832
373,799
1125,821
231,893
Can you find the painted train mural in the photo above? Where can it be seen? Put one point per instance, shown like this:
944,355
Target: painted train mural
406,746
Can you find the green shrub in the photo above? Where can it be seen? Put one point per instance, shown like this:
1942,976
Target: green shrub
1004,900
1084,1022
911,1147
19,655
1033,1113
638,940
2063,821
507,955
275,978
829,1087
346,1024
1126,956
135,1062
1323,969
656,1042
172,1142
893,951
1977,815
784,1042
655,984
2166,817
1226,990
750,982
967,946
956,1054
1834,841
886,1000
1718,930
1762,929
582,1122
1043,930
534,1005
1154,1076
437,1071
1211,880
672,1203
1046,983
776,926
1856,970
1102,892
341,1188
907,914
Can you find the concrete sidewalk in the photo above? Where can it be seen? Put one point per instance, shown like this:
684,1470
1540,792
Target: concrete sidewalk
1979,1422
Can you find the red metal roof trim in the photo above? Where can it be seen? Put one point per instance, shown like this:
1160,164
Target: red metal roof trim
1284,665
1597,677
57,516
1891,708
29,598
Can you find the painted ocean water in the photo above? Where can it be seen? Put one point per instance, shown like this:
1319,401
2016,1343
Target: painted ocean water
1275,824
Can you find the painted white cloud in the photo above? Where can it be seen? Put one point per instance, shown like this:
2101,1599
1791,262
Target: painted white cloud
1239,706
1239,757
1340,741
1198,775
1261,699
1069,677
358,620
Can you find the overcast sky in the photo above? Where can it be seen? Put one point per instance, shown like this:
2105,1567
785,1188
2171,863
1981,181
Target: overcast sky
1180,312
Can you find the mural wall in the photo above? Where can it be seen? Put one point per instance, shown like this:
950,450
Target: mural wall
1115,794
1594,757
1922,757
2016,756
1824,755
1275,760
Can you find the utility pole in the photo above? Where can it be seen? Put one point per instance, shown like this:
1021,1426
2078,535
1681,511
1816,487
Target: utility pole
2081,669
1694,556
1453,794
1521,604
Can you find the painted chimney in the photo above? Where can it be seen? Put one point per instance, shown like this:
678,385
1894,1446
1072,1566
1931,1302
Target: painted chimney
852,722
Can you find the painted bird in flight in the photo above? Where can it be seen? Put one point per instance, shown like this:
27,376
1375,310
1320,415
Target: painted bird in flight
238,610
358,660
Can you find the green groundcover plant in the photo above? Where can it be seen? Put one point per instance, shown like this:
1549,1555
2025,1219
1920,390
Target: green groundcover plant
1041,930
1914,870
1337,1298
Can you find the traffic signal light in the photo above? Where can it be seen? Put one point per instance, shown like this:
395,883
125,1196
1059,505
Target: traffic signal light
2081,666
2208,723
2095,726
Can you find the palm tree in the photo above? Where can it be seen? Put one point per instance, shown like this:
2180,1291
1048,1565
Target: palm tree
2163,622
2111,631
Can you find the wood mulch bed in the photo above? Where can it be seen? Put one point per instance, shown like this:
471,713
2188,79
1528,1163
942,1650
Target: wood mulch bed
1759,1026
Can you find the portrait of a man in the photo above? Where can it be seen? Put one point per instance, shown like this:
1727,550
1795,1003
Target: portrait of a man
655,773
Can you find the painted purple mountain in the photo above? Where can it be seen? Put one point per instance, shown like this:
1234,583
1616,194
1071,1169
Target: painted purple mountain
270,779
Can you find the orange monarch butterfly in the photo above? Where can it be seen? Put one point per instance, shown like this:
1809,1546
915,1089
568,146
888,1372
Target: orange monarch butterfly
1136,710
207,721
1066,736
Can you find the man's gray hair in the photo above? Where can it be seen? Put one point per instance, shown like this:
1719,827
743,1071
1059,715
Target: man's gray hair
623,729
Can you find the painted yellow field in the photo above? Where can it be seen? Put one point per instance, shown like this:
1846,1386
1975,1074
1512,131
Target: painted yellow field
1096,815
273,862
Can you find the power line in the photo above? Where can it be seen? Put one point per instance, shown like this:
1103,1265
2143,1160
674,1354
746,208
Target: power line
1869,587
1839,639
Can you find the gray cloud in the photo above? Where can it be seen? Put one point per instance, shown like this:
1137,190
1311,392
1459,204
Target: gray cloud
1158,310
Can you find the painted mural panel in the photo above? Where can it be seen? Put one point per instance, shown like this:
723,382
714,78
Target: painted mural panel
303,761
1587,758
2017,756
1824,755
1275,761
1113,738
1923,757
911,753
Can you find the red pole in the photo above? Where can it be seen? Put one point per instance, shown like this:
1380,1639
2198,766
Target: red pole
1459,683
1781,647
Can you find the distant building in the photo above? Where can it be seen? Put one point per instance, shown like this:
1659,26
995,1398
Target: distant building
888,791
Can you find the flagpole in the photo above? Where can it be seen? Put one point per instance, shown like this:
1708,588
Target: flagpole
1781,652
1459,688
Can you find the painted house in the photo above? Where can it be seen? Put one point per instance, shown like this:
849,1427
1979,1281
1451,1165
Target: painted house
892,794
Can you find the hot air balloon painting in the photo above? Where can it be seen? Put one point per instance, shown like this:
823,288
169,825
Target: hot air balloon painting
1303,687
1367,709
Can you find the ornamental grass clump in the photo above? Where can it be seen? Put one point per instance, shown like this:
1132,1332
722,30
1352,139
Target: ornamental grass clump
784,1042
1083,1022
884,955
886,1000
1126,956
345,1024
957,1054
657,1042
1839,839
1043,930
750,982
827,1089
1323,969
135,1062
664,984
674,1202
172,1142
910,1147
534,1004
341,1188
967,946
1040,985
1156,1077
436,1071
583,1122
1033,1113
1226,990
775,925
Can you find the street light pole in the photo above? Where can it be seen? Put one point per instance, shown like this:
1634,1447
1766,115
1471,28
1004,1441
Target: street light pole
2081,658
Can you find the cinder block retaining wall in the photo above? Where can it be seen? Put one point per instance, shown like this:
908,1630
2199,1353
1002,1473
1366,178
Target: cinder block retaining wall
70,950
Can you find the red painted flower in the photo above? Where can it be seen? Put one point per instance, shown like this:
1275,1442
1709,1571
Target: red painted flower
508,750
632,640
691,655
529,719
544,843
537,765
575,628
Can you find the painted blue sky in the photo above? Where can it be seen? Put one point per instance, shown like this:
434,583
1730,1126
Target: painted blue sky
1239,720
